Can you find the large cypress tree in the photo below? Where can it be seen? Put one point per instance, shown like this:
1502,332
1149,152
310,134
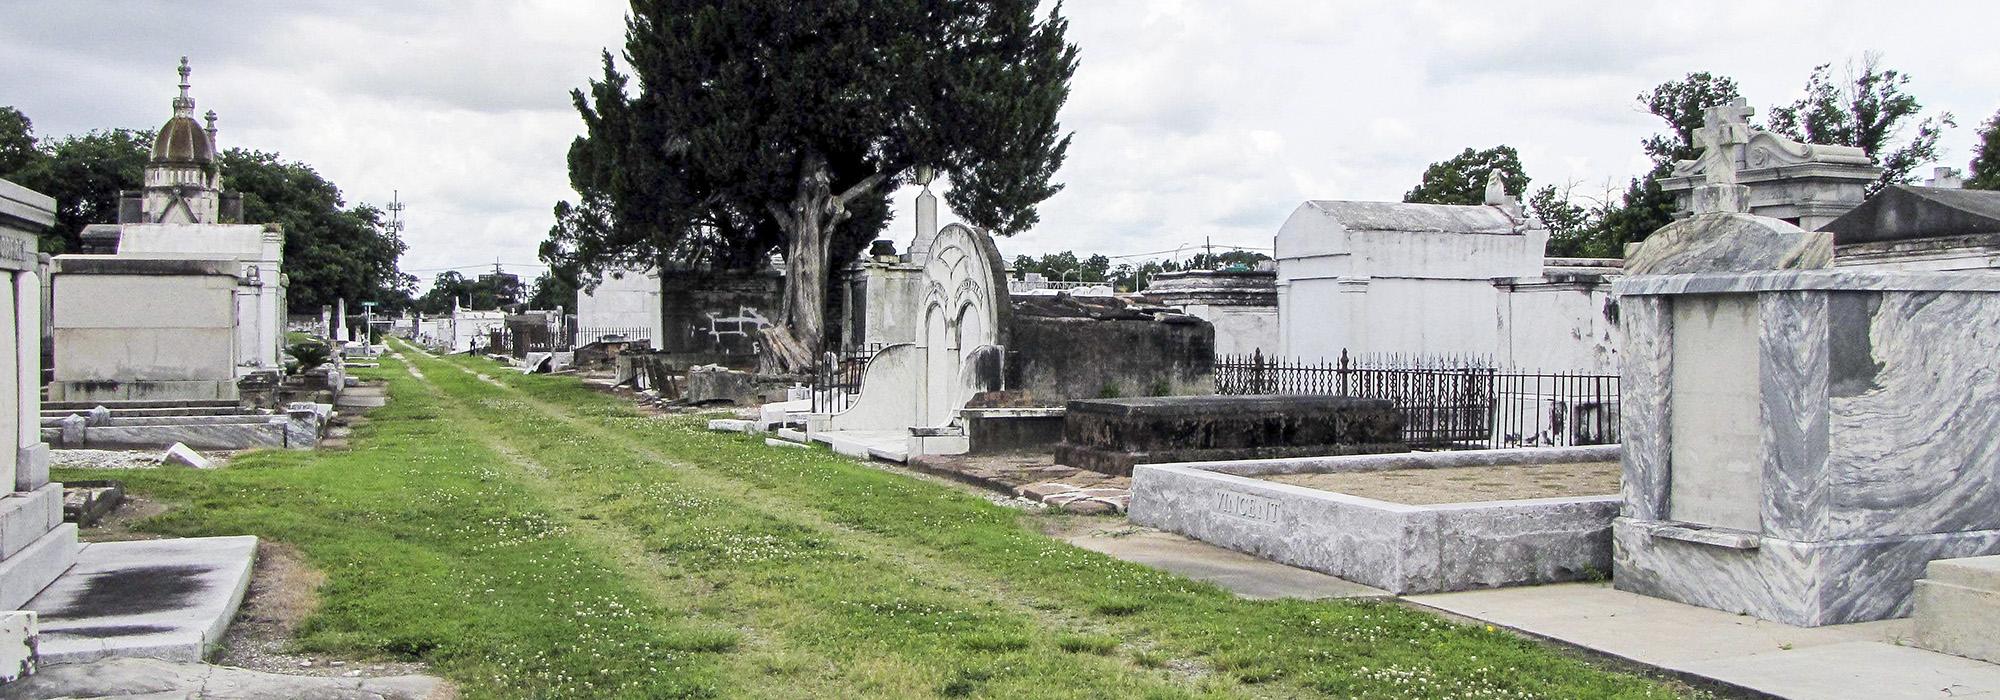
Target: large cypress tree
805,117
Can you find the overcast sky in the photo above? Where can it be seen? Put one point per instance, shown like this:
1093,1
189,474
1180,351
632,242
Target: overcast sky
1193,119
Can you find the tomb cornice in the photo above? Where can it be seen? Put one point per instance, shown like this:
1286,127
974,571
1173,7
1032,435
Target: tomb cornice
1804,281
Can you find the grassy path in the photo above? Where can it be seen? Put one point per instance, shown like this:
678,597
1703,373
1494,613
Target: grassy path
533,538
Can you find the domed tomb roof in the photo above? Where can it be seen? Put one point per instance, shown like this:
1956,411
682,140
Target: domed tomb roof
182,140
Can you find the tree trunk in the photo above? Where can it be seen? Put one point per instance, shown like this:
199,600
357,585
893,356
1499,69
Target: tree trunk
809,221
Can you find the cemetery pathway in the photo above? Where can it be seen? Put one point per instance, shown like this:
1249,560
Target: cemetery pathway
528,536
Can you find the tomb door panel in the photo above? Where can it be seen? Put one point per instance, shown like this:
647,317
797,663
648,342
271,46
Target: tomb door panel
940,366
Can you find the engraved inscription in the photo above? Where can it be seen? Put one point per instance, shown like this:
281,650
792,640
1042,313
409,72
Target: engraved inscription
1246,506
17,248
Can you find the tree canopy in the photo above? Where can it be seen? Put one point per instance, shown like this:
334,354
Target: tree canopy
1461,179
85,174
1984,173
17,141
481,292
331,250
756,123
1868,109
1065,266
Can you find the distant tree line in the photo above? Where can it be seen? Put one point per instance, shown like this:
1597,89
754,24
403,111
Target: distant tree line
1065,266
1867,108
332,250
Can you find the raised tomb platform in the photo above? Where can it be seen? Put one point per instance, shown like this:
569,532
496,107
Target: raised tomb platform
1406,523
1112,435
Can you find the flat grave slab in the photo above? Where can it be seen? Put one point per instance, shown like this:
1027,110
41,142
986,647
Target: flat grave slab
162,599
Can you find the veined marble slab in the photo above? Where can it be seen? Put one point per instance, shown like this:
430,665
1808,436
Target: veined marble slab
1879,411
1808,280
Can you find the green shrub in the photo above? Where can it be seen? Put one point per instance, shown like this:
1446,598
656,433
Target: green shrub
310,354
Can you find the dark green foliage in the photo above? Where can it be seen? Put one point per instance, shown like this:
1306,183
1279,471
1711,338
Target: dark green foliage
640,204
1065,266
310,353
332,251
1604,230
1985,169
1682,104
482,292
756,123
1570,226
555,288
1461,179
1866,110
84,174
17,142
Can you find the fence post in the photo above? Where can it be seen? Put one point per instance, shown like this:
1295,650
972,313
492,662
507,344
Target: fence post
1257,372
1342,373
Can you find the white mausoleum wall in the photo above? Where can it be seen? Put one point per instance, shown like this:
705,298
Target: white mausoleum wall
1386,277
624,299
1558,327
1240,330
131,328
260,298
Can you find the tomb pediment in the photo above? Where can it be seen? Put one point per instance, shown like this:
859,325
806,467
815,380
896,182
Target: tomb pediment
1905,212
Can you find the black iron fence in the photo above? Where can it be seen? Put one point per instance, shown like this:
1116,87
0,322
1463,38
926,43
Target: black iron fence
836,378
586,336
1447,401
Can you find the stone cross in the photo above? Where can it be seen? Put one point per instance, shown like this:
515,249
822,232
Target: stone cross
1724,127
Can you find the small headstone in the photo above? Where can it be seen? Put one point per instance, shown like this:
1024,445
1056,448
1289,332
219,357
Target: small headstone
73,427
183,455
98,416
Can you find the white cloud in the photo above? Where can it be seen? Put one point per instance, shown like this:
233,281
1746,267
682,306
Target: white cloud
1194,119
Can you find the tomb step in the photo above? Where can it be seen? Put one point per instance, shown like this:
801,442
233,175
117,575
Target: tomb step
37,566
27,517
230,410
173,599
136,403
1957,608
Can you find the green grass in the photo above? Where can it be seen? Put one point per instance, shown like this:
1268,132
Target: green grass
530,537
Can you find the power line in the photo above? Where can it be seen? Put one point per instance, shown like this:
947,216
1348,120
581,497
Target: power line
475,266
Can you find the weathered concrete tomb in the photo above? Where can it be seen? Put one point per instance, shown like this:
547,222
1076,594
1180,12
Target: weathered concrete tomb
1065,347
176,301
1112,435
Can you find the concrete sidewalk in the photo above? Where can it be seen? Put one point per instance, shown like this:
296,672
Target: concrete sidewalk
1866,660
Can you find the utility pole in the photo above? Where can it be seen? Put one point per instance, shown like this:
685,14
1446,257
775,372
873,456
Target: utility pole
395,225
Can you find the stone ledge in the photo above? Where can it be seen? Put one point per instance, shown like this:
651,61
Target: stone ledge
1714,537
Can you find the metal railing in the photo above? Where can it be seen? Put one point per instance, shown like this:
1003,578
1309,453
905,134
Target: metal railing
836,378
586,336
1447,401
